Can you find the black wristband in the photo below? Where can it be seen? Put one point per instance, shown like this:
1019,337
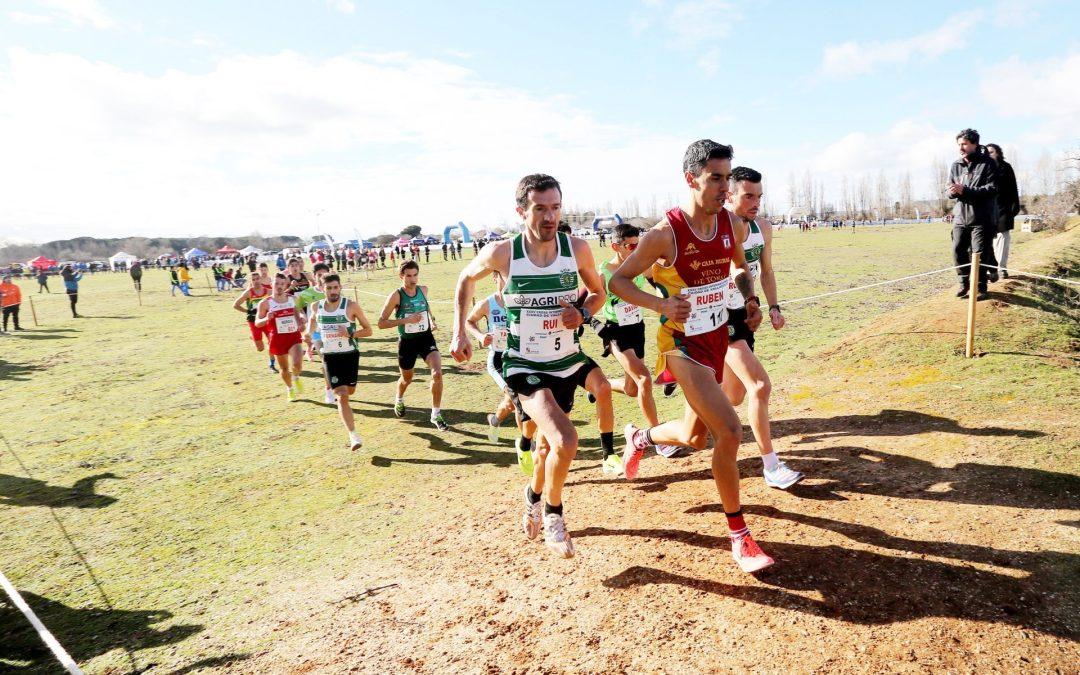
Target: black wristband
772,307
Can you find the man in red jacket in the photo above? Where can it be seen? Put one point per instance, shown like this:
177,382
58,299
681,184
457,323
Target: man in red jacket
10,299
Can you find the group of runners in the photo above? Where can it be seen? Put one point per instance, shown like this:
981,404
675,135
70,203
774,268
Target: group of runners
697,269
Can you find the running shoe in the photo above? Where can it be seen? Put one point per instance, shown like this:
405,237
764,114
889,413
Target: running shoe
749,555
298,384
782,476
532,519
669,389
355,442
524,457
273,366
493,428
556,537
330,398
292,394
668,451
439,422
631,456
612,465
592,399
399,408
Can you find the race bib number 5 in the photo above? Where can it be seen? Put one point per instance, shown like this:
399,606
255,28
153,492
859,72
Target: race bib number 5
543,334
420,326
708,308
286,324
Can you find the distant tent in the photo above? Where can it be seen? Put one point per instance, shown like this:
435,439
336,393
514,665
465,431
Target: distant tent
121,258
196,253
319,245
226,250
248,250
41,262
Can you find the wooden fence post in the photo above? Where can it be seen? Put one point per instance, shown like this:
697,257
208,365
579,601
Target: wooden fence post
973,285
33,312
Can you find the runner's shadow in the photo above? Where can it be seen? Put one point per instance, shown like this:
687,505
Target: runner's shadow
863,587
885,423
85,632
16,372
465,455
19,491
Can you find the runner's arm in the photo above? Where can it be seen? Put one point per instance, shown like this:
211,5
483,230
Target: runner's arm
240,301
262,314
391,304
472,322
594,283
768,276
656,244
356,313
311,324
482,264
431,315
744,281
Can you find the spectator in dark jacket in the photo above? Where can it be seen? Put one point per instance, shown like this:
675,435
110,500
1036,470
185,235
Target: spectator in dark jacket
136,275
1008,206
973,184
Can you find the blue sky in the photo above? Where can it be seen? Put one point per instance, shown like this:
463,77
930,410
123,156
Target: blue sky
169,118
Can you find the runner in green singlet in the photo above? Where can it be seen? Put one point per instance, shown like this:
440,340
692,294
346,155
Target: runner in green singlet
415,325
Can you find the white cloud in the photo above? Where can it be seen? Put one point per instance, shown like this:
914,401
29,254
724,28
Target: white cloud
1045,90
1015,13
688,25
80,13
343,6
850,59
27,18
378,141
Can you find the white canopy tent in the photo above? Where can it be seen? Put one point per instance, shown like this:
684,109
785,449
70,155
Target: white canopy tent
248,250
121,257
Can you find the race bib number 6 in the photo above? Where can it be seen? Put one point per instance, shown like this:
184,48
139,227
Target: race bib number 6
543,334
708,308
335,337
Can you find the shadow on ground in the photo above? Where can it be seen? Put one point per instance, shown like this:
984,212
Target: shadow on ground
19,491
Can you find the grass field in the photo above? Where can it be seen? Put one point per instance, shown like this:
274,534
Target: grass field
163,508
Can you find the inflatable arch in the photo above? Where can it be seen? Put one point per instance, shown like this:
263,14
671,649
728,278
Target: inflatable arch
604,220
466,238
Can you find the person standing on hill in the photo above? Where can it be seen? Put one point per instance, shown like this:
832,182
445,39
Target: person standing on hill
71,286
973,184
1008,206
10,299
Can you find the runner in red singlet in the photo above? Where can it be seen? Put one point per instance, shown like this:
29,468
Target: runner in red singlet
691,253
283,322
248,304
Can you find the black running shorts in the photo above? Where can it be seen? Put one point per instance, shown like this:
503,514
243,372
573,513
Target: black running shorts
561,388
341,369
627,338
737,328
416,347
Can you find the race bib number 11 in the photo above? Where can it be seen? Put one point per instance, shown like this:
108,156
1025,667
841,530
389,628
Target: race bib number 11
708,308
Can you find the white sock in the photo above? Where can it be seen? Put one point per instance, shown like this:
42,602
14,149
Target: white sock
399,399
435,412
771,461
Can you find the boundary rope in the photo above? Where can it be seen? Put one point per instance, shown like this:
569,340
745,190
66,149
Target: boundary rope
51,642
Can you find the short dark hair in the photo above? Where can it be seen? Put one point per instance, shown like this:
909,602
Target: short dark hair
969,135
699,153
565,228
331,277
625,231
998,150
535,182
408,265
295,259
320,267
745,173
281,275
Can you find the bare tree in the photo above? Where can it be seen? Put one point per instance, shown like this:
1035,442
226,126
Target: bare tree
882,200
864,196
905,196
1046,171
939,172
792,188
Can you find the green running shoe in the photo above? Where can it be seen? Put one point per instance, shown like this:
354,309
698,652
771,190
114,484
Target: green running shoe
399,408
524,458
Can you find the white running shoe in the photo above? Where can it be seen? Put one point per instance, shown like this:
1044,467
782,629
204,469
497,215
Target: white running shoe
330,398
749,556
355,442
532,519
782,476
556,537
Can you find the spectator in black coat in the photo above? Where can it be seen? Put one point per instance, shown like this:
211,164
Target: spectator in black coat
1008,206
973,184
